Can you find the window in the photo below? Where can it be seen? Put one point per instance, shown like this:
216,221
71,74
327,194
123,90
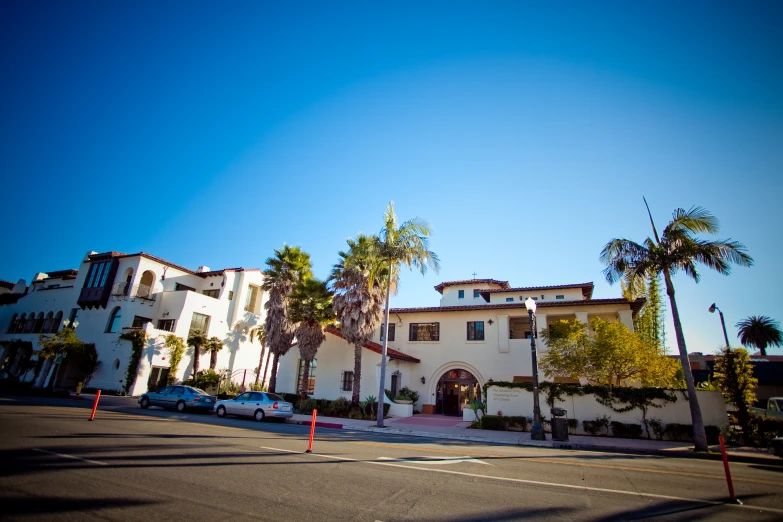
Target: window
116,364
310,377
252,297
166,324
28,326
559,297
199,322
346,382
395,383
182,288
274,397
47,326
244,397
476,294
527,334
140,322
391,332
475,330
58,318
212,293
39,322
12,326
114,320
424,332
98,274
461,294
509,299
230,295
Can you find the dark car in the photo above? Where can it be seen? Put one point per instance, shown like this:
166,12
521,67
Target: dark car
179,398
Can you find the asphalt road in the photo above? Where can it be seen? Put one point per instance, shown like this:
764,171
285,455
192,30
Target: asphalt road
133,464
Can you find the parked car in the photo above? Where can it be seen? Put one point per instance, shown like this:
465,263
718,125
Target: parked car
259,405
774,408
180,398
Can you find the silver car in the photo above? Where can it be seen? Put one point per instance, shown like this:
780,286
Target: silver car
259,405
180,398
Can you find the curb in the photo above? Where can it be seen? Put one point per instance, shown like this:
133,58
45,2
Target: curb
318,424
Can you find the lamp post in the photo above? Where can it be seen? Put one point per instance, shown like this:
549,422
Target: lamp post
537,432
722,322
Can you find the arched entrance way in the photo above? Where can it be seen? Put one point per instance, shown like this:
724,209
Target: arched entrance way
455,389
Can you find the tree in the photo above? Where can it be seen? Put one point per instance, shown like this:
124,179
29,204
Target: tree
759,331
406,244
311,309
613,357
357,281
259,332
285,269
213,346
197,340
676,249
649,321
734,373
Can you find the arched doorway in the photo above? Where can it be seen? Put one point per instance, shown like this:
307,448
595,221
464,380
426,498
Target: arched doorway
455,389
145,286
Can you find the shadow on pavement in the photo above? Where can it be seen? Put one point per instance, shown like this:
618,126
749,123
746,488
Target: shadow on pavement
41,505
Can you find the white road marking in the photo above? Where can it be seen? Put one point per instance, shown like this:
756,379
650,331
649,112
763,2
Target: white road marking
65,456
436,460
534,482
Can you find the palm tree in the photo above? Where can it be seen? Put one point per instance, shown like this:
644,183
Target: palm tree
406,244
197,340
311,309
285,269
358,284
259,332
760,331
213,346
676,249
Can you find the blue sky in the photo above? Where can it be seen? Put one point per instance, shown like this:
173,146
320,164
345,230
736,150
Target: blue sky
526,133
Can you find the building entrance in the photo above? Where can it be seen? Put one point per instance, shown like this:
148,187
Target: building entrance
456,388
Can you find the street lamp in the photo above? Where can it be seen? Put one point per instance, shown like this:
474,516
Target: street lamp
722,322
537,432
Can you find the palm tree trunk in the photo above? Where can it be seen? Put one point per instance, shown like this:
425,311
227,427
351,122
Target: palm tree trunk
305,380
268,356
357,375
273,376
382,392
260,362
213,359
699,435
196,357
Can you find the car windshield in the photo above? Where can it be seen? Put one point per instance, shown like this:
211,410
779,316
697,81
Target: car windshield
778,403
275,397
198,391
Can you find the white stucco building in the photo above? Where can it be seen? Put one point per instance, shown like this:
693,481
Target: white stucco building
112,292
480,331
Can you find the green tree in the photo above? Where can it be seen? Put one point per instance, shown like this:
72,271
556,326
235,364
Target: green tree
676,249
176,347
649,322
358,282
759,331
311,309
67,343
197,340
734,375
213,346
284,271
406,244
259,332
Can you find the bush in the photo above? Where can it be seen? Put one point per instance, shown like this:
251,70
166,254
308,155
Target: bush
519,422
306,406
679,432
293,398
573,424
595,426
713,432
621,429
338,408
494,422
764,429
409,395
655,424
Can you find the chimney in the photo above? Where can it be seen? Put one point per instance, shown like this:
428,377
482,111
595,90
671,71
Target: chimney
202,269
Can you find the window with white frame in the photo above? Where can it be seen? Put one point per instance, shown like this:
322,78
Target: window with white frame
199,322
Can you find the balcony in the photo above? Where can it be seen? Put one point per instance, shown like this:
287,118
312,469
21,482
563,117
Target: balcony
136,291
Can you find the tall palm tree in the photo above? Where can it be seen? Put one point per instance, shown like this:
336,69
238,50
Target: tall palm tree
213,346
357,280
760,331
311,309
676,249
197,340
285,269
406,244
259,332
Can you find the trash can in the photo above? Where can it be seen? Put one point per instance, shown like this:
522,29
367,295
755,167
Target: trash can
79,388
559,424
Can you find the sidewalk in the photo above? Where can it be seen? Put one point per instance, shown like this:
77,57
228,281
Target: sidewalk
417,426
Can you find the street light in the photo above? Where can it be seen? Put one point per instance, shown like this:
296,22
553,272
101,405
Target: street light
722,322
537,432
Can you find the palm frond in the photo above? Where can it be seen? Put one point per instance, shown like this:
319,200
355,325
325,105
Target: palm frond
695,220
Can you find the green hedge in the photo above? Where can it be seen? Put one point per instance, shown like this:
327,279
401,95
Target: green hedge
503,423
626,431
764,429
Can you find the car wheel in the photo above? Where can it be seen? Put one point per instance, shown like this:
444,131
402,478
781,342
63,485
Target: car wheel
221,411
181,406
145,403
259,415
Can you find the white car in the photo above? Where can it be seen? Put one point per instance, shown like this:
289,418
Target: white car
259,405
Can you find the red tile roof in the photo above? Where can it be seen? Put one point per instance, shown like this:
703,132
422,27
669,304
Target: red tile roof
587,289
440,287
635,305
7,284
377,348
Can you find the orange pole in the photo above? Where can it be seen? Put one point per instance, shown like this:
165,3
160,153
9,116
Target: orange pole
312,432
95,405
726,469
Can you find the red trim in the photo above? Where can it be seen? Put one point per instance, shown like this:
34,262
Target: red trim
587,289
635,305
377,348
440,287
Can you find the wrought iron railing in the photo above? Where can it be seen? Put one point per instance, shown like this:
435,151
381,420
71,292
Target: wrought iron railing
140,291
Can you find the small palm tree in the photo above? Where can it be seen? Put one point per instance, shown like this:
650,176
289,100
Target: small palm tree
197,340
676,249
288,267
759,331
311,308
213,346
259,332
406,244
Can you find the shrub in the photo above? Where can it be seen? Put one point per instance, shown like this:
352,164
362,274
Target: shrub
520,422
764,429
293,398
409,395
621,429
573,424
679,432
494,422
655,424
307,406
595,426
713,432
338,408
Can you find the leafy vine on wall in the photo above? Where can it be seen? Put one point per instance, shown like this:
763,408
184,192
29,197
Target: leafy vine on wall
138,339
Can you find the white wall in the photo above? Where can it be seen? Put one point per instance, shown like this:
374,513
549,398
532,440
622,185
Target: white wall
541,295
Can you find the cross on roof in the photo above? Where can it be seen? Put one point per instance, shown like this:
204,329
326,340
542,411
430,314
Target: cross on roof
474,275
